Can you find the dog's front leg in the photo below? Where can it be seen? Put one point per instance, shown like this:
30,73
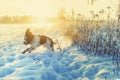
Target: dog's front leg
31,49
25,50
28,50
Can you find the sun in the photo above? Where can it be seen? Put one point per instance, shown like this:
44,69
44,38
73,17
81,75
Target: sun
43,24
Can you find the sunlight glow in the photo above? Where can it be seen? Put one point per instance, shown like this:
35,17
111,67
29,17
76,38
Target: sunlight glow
41,24
50,8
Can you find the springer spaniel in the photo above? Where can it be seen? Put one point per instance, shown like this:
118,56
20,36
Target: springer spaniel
37,40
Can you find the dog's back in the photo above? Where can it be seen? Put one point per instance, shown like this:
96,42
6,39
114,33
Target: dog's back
44,38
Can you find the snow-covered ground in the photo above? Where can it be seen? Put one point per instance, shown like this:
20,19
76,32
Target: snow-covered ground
70,64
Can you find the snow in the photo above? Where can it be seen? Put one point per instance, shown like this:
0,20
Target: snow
41,64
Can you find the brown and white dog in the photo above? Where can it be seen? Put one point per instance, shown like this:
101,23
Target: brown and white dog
37,40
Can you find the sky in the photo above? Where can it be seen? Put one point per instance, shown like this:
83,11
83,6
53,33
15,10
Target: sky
45,8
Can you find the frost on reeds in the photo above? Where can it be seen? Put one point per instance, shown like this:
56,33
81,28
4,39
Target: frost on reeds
100,38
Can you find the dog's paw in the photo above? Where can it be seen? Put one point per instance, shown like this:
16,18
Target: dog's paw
23,52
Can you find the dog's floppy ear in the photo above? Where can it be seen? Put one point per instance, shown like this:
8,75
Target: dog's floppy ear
28,30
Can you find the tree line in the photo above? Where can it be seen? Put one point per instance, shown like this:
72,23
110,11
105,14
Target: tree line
17,19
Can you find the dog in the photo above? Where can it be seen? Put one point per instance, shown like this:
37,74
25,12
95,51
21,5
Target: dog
37,40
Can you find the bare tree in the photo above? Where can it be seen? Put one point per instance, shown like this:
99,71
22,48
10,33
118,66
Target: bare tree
118,10
91,1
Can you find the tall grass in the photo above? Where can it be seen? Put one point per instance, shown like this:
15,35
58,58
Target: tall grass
100,38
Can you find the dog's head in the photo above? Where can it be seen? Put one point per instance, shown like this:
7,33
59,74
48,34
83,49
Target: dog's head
28,37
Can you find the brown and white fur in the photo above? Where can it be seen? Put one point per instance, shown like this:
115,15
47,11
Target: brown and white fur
37,40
